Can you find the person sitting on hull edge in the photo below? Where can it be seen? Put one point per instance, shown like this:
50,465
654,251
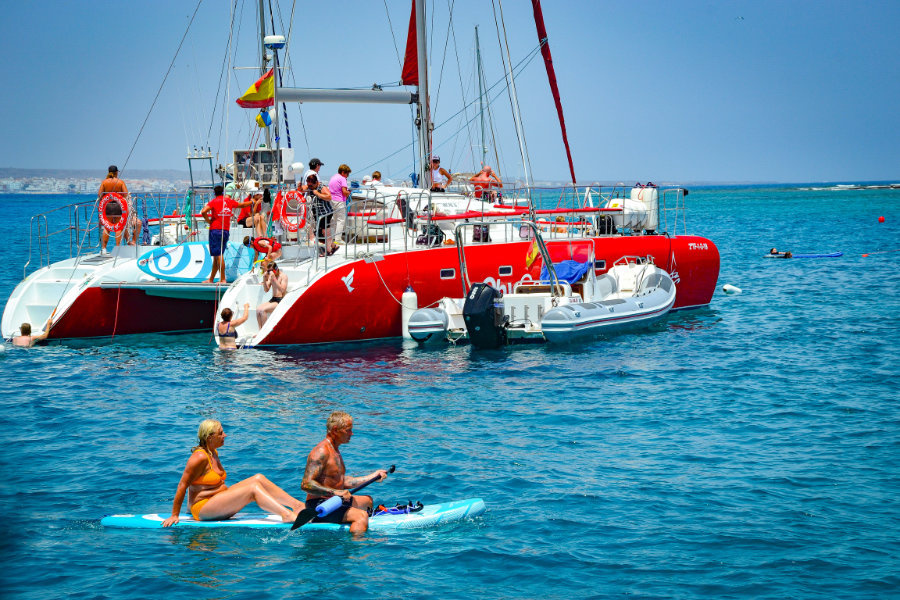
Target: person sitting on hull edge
325,476
276,280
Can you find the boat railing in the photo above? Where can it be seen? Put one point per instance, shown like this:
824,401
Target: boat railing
73,230
71,222
672,209
375,219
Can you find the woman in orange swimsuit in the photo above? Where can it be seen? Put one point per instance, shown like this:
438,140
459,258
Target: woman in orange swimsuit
208,496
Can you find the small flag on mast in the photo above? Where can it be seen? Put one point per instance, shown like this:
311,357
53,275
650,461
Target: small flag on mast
264,118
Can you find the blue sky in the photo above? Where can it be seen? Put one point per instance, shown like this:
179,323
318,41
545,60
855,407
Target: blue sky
664,91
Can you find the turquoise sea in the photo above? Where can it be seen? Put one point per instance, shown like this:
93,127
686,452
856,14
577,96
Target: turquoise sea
747,450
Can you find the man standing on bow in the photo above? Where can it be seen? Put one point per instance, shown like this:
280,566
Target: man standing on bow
114,211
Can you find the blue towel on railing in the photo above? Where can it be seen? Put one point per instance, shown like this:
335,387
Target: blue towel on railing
569,271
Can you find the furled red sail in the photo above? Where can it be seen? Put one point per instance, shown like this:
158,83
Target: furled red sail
410,74
551,76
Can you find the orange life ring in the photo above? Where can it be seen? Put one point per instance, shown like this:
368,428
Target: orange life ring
289,224
107,224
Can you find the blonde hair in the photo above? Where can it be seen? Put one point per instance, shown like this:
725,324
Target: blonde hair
206,429
337,420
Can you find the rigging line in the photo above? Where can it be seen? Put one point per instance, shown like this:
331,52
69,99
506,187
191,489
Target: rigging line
223,124
520,134
520,66
530,169
393,36
287,127
222,71
452,32
159,91
437,95
196,128
198,95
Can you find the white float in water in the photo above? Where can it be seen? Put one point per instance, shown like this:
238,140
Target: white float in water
730,289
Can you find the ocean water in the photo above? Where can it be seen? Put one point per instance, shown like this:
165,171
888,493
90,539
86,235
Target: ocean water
746,450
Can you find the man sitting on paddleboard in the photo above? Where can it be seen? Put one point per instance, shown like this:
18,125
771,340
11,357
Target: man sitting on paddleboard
325,477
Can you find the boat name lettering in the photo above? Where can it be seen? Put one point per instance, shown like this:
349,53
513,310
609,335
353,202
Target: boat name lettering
698,246
506,288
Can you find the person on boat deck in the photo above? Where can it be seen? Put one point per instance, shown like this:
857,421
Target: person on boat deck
775,252
26,340
376,180
315,165
270,247
217,213
276,280
318,199
308,228
325,476
210,499
485,179
112,183
340,193
252,216
227,329
440,178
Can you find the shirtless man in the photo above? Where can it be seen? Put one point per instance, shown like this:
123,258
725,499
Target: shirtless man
26,340
325,477
112,183
277,280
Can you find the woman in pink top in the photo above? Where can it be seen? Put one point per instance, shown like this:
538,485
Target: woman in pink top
340,192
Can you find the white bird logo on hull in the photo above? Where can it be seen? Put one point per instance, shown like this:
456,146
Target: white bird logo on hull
348,279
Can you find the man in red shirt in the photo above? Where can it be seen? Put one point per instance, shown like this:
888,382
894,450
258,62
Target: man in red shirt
217,213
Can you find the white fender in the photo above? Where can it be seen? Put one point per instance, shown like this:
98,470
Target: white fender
409,303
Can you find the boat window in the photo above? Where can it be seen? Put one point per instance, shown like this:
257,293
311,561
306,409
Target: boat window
448,273
599,265
505,271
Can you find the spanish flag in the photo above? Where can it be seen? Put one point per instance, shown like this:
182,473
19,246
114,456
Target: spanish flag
533,253
261,94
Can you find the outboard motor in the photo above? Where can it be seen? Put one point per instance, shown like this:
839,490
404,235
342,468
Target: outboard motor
483,314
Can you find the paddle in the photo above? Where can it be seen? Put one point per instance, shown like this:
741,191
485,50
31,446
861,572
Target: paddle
308,514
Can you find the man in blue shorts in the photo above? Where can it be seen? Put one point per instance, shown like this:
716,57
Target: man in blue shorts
217,213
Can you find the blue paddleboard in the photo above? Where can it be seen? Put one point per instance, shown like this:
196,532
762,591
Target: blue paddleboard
431,515
828,255
191,262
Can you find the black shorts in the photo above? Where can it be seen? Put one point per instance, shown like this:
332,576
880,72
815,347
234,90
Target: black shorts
335,516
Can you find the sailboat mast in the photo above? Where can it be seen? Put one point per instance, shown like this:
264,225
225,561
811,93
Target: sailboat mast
262,61
480,97
423,119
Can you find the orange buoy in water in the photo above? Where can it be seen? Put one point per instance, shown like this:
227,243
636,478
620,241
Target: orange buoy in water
881,219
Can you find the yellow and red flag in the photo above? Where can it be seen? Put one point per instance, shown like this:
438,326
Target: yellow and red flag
261,94
532,254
